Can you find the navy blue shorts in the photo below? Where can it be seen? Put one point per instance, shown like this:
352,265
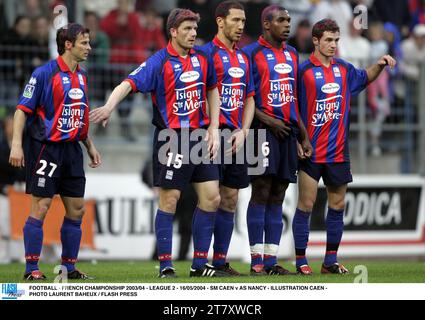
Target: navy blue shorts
176,171
55,168
333,174
233,175
279,157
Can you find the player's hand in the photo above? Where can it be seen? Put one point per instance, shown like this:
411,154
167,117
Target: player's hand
387,60
280,129
96,159
306,149
213,139
101,114
237,140
16,158
300,151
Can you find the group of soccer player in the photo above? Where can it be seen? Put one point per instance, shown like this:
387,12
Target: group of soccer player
302,109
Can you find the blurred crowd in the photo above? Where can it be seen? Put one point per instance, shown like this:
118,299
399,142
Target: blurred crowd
124,33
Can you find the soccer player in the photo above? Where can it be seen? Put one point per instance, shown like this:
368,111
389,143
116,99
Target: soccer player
326,87
54,109
275,68
180,78
237,110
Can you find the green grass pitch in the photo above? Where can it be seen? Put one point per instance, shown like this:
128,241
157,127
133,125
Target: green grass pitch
146,272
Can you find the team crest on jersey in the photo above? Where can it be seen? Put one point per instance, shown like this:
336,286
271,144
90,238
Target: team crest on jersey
288,56
65,80
195,62
81,79
240,58
337,72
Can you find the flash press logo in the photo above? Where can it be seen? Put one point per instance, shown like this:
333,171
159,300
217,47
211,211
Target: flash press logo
10,291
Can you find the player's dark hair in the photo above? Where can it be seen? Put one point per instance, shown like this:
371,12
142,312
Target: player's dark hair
322,26
70,33
223,9
267,14
178,16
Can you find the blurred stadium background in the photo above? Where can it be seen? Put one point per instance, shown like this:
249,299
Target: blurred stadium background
385,215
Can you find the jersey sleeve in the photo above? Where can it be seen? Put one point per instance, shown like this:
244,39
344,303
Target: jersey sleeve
145,77
357,79
30,98
211,73
250,90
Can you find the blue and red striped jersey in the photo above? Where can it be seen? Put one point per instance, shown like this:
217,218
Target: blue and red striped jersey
57,103
324,99
275,73
178,87
234,81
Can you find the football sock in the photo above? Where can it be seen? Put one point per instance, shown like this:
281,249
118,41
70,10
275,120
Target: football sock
255,220
272,233
71,238
164,238
301,230
202,231
223,229
334,230
33,241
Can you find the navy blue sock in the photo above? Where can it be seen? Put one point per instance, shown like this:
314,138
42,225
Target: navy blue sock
164,238
203,228
223,229
301,231
71,238
334,230
272,233
33,241
255,218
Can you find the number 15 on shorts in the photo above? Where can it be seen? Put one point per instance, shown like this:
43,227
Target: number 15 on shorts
175,160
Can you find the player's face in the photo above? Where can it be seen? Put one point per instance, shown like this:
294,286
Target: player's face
328,43
81,48
280,25
185,34
234,24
